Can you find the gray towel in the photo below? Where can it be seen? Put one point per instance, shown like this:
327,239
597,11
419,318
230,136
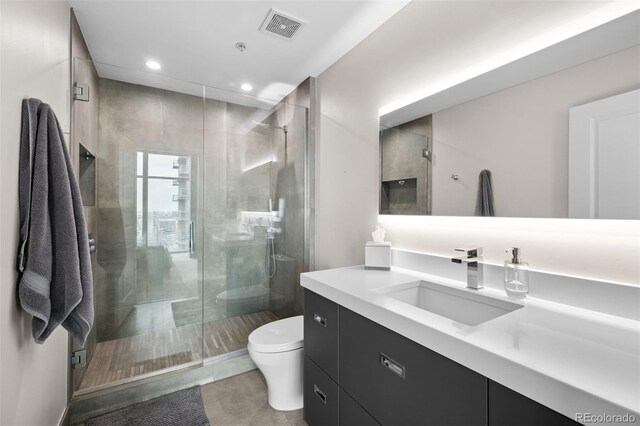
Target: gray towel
28,136
484,202
55,285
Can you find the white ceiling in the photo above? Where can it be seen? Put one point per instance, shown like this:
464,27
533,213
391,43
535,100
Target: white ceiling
195,43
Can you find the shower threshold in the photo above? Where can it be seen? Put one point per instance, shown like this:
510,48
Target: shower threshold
95,403
130,360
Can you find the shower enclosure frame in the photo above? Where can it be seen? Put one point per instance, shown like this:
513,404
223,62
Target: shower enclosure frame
202,370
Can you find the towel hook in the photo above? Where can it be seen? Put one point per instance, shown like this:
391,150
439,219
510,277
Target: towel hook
455,177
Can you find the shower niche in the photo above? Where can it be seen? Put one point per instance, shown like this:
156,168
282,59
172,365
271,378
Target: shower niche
406,159
87,176
399,196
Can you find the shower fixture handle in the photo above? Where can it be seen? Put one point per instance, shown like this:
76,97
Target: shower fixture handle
92,244
192,237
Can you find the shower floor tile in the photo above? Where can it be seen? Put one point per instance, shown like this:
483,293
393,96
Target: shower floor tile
124,358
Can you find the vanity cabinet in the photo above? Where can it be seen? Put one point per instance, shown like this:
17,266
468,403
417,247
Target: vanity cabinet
321,332
321,396
351,413
508,408
403,383
358,372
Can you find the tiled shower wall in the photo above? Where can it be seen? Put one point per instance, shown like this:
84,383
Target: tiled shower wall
135,118
241,169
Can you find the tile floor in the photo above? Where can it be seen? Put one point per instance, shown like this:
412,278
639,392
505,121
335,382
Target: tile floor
121,359
242,401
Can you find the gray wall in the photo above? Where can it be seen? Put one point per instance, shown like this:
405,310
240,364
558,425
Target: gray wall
287,183
136,118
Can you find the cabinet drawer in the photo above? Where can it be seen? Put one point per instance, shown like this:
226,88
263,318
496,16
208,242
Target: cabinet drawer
321,332
507,407
400,382
321,396
352,414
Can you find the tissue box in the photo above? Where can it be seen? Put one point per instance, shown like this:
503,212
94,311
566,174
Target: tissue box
377,255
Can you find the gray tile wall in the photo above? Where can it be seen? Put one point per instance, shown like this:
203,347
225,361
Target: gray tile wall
401,157
135,118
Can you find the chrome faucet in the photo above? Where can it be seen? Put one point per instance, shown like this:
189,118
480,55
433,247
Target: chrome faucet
473,259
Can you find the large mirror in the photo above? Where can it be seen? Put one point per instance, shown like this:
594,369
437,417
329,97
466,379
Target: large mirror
555,134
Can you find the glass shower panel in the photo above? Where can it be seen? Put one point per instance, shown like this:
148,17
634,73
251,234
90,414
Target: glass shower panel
199,208
147,267
254,218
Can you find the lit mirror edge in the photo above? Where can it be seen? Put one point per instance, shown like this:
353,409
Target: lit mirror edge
616,33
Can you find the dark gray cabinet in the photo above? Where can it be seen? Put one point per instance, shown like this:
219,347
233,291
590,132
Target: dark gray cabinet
508,408
351,413
321,332
403,383
360,373
321,396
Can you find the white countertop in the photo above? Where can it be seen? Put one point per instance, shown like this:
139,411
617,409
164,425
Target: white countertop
570,359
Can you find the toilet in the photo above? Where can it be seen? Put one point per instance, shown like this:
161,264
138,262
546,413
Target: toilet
277,349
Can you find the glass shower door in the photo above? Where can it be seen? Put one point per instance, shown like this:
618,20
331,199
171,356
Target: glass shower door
254,220
147,266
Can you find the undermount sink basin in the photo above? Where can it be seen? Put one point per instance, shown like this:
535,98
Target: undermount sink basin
469,307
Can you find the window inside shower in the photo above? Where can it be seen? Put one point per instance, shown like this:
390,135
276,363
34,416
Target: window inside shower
163,202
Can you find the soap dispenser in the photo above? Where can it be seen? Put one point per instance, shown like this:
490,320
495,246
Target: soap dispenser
516,275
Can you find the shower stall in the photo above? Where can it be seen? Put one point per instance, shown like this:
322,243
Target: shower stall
199,209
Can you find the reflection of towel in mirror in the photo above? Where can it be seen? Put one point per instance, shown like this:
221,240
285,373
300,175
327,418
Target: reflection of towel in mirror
484,202
55,285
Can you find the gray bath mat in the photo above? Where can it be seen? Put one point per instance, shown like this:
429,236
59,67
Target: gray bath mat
182,408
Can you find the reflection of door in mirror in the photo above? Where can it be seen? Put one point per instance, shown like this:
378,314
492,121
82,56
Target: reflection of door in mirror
405,157
604,158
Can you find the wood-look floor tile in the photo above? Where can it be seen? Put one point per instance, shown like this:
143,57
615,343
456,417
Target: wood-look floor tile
127,357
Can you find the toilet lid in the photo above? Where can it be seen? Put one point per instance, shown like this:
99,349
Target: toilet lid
278,336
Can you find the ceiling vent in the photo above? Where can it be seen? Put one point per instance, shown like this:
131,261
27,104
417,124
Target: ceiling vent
280,25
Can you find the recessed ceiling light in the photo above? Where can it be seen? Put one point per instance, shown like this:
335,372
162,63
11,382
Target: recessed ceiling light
246,87
154,65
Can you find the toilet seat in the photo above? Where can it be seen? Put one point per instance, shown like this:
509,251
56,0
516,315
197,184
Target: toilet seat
278,336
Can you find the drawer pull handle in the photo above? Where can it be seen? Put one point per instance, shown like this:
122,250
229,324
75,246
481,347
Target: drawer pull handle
320,320
320,394
393,366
